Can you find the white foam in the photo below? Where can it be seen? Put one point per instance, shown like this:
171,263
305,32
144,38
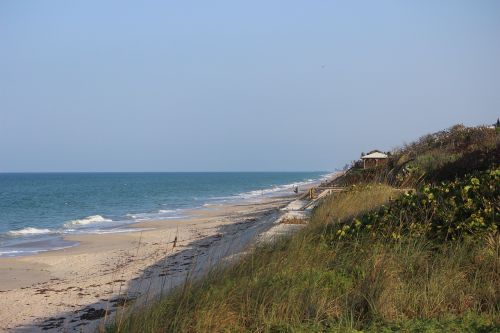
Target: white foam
118,231
15,253
164,211
211,204
87,220
274,190
10,252
29,231
163,214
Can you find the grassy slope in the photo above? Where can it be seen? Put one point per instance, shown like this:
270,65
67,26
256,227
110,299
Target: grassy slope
444,155
320,280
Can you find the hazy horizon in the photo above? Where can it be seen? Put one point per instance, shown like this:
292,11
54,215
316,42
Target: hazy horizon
224,86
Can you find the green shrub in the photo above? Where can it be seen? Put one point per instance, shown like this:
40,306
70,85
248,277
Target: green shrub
435,157
446,211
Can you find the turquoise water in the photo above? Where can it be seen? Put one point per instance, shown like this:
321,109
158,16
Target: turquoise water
36,210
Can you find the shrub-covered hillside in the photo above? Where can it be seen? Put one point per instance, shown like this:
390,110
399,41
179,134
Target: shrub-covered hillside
467,206
435,157
413,246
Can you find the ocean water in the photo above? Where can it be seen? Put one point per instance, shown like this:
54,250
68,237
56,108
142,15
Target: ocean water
37,210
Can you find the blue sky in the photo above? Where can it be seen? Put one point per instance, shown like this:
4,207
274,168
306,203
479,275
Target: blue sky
232,85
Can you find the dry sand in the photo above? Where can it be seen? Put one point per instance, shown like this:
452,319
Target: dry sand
79,288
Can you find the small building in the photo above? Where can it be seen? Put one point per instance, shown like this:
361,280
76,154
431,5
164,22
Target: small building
374,159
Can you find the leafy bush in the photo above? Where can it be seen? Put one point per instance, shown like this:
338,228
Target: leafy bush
446,154
477,160
467,206
435,157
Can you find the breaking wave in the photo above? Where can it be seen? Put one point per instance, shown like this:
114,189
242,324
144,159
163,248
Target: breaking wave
29,231
87,220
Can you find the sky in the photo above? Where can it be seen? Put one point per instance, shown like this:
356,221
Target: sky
237,85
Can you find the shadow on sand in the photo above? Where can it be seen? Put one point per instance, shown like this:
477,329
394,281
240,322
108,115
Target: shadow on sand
194,261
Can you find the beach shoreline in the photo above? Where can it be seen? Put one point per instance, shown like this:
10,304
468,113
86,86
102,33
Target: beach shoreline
75,288
39,217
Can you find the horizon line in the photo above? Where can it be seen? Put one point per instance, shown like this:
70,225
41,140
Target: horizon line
229,171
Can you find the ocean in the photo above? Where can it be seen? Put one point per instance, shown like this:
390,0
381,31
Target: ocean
38,209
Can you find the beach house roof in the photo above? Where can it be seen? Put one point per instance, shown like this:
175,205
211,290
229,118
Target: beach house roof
374,155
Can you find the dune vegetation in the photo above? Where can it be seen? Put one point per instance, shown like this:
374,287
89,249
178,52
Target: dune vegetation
412,245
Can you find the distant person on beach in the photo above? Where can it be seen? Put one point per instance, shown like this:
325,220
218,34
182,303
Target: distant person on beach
296,190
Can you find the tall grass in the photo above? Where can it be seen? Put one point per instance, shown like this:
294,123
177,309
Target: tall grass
312,281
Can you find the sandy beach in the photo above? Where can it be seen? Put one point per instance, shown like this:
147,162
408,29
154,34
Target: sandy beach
79,288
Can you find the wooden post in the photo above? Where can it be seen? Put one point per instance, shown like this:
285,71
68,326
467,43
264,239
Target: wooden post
311,193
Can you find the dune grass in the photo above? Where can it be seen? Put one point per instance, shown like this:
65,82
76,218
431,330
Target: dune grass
313,281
